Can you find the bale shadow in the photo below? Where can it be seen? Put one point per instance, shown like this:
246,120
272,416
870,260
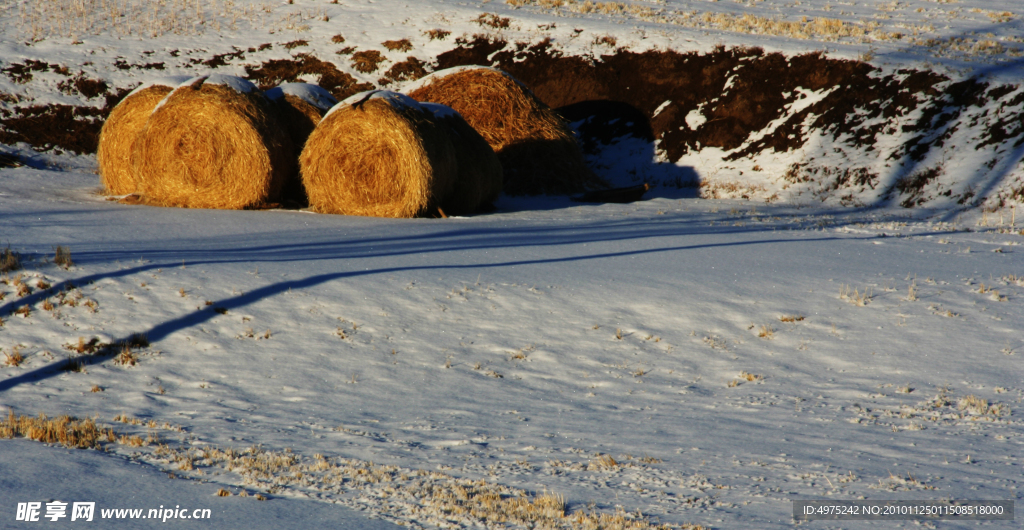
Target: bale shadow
618,144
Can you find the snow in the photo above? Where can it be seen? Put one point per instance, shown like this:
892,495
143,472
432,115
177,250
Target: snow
439,110
170,81
238,84
396,100
312,94
722,351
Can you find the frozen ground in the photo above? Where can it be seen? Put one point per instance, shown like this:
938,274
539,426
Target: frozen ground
521,347
694,361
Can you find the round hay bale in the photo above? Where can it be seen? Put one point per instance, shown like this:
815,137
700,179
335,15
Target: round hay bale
537,149
300,108
479,179
120,130
213,142
378,154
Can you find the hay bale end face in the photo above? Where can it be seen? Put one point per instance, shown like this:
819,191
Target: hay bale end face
378,154
213,142
537,149
121,129
300,108
479,177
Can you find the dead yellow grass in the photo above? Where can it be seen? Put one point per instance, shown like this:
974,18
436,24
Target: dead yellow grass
433,497
65,430
379,155
118,137
538,151
210,146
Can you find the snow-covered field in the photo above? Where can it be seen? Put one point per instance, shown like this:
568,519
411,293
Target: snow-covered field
678,360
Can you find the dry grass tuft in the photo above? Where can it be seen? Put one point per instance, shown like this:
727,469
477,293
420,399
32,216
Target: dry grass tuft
14,358
791,318
754,378
538,151
65,430
9,260
211,146
402,45
438,34
603,462
378,154
367,61
119,135
855,297
126,357
62,257
493,20
766,332
973,404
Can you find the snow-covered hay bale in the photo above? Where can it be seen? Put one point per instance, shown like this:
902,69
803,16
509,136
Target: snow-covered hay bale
478,180
120,130
300,108
378,154
213,142
537,149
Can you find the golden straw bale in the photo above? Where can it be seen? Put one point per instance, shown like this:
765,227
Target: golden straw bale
378,154
537,149
478,180
117,138
300,108
214,142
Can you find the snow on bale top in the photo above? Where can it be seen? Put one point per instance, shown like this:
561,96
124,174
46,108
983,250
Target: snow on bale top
312,94
400,102
240,85
440,111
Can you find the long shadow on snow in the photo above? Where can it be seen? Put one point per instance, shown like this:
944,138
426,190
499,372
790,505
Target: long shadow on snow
163,330
442,241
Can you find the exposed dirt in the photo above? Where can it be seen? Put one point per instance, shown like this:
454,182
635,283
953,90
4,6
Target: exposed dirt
739,91
22,72
71,128
367,61
410,69
274,72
